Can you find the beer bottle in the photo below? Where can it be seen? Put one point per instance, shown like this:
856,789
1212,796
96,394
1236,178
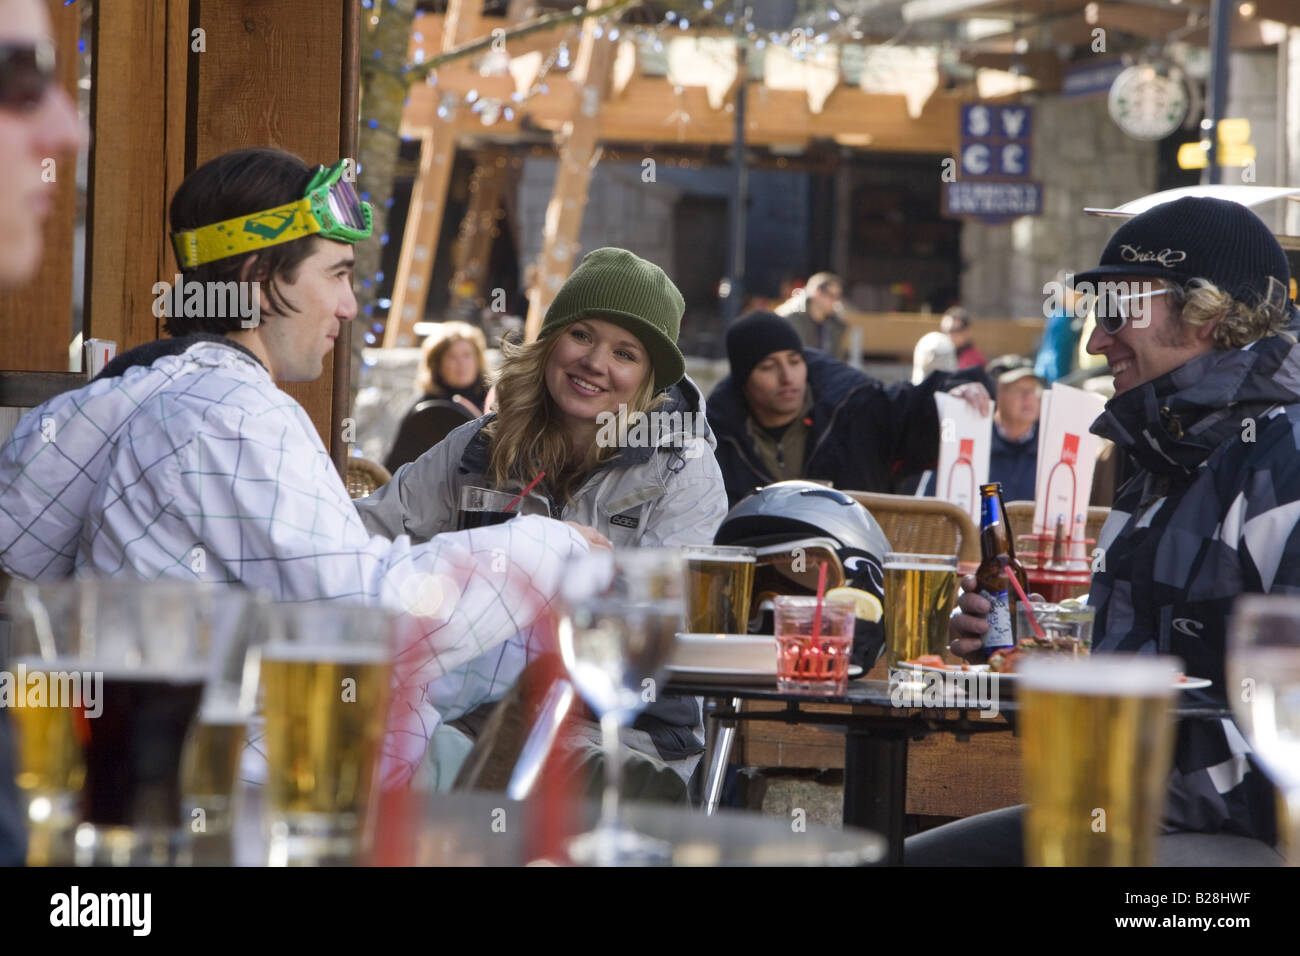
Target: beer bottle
997,560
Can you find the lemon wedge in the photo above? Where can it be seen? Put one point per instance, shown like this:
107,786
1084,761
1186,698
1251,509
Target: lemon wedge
866,606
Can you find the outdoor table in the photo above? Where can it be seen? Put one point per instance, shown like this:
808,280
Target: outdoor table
487,829
876,732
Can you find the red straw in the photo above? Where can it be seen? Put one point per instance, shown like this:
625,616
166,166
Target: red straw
527,488
821,593
1029,613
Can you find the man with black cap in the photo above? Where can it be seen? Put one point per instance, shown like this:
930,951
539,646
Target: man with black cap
1193,296
791,412
1013,448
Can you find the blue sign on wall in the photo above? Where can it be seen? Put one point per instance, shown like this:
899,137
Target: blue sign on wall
995,153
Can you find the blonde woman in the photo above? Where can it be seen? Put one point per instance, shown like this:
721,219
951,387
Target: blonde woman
600,403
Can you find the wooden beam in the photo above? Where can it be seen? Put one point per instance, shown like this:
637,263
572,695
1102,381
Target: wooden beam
429,193
38,317
272,76
645,113
590,78
474,242
1043,65
129,165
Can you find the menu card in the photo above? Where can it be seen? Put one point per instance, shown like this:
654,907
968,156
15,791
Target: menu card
965,437
1067,454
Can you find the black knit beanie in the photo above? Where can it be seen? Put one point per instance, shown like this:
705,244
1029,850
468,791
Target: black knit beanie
753,337
1197,237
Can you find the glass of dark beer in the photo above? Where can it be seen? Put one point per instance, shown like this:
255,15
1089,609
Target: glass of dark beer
123,666
480,507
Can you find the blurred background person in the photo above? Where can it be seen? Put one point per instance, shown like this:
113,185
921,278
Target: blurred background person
787,412
37,121
816,313
453,382
956,325
1013,452
934,352
1056,354
453,366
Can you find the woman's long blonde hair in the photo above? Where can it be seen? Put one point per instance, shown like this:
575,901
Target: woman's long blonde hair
527,435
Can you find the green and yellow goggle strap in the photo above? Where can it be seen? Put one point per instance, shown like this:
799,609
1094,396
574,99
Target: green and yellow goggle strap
331,208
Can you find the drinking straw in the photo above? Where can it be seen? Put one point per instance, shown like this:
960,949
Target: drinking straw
527,488
821,593
1029,612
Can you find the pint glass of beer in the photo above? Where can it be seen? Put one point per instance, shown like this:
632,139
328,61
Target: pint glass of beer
721,582
326,670
919,593
1097,738
122,666
215,747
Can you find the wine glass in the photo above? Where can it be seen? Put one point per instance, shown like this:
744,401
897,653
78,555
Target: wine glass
1264,690
623,610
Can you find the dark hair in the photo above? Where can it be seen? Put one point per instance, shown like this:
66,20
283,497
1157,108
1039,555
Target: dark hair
239,183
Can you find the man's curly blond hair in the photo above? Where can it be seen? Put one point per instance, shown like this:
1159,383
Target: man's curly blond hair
1240,323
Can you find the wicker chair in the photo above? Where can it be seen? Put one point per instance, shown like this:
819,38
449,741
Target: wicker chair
1021,514
364,476
923,525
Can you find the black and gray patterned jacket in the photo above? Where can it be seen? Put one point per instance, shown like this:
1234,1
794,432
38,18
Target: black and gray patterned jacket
1210,514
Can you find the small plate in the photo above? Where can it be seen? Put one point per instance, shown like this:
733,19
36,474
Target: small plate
686,674
1187,683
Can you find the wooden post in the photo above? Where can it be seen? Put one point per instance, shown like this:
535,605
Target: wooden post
590,76
428,196
474,243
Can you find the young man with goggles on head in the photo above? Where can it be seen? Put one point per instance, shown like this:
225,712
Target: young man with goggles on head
183,459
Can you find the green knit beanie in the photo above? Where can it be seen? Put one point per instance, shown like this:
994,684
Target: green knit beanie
615,285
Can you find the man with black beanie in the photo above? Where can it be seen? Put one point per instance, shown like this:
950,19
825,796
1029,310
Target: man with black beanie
791,412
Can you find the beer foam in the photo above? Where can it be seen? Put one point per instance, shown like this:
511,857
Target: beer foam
1104,675
327,653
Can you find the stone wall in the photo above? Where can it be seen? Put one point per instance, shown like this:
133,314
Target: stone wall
1083,159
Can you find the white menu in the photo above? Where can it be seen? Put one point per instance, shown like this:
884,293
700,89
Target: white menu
965,437
1067,455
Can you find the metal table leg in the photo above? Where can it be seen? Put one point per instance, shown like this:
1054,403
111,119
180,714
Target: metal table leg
875,787
718,738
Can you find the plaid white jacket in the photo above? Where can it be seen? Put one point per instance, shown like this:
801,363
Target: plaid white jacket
197,466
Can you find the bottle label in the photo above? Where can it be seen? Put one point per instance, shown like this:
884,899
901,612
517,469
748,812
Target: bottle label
999,632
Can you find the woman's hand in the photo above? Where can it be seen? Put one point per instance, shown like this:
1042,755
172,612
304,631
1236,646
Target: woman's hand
974,395
594,537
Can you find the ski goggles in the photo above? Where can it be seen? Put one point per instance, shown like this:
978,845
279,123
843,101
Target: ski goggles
330,208
1113,305
26,74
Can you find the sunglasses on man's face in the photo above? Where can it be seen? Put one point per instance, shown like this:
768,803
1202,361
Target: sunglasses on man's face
26,73
1113,310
